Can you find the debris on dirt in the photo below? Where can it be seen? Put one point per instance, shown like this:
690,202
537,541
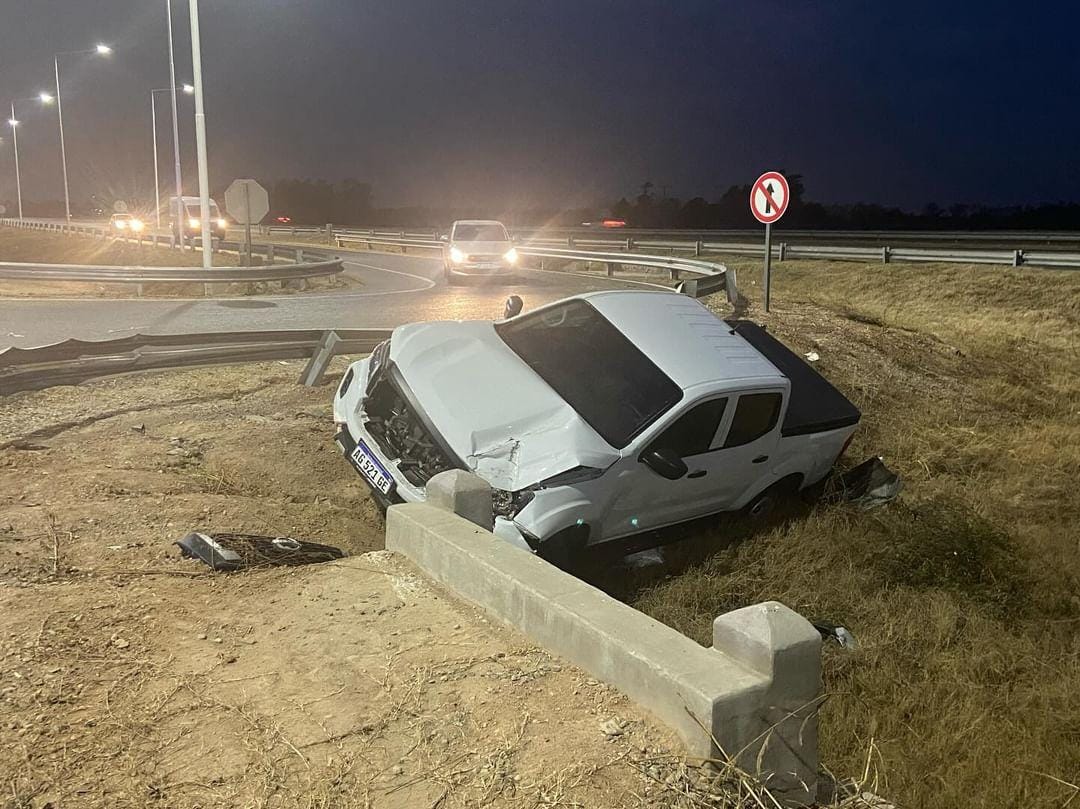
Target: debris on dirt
869,485
225,552
812,356
613,728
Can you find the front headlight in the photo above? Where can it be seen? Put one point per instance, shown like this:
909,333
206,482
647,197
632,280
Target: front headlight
221,223
193,223
137,225
379,356
120,224
457,256
510,256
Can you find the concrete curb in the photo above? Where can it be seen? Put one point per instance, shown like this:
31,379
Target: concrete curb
752,701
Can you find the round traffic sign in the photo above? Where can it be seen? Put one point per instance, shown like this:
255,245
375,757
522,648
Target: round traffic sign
769,196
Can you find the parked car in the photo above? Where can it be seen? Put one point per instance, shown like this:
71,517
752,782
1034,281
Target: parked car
595,418
477,248
126,222
191,218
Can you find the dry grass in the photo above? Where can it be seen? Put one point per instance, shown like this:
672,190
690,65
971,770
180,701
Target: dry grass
965,594
37,245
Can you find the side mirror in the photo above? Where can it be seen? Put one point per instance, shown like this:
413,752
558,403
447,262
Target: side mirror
513,307
665,463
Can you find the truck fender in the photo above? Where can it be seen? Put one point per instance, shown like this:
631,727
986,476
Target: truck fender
554,510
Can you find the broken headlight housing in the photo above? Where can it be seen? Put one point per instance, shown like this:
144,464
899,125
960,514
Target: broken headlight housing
376,363
508,504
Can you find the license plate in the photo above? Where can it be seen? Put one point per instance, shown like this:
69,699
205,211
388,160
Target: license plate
370,468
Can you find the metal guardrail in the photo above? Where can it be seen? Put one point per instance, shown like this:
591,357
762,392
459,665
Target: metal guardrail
709,277
307,262
137,275
74,361
1008,248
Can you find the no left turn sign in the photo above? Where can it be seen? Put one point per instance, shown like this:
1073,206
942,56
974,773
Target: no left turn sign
769,197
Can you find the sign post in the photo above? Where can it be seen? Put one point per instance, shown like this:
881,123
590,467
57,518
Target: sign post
247,202
769,197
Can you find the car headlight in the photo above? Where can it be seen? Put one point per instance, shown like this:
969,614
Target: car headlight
193,223
510,256
137,224
120,224
221,223
457,256
379,355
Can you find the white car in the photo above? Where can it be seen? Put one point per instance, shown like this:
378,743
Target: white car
478,248
595,419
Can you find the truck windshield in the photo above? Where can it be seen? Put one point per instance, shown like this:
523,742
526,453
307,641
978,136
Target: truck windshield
480,233
594,367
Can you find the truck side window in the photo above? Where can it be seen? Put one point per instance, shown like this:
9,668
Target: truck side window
755,415
694,430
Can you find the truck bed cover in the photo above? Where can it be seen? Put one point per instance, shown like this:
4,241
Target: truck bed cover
815,405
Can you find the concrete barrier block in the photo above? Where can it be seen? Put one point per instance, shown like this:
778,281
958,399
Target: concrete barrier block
463,493
749,699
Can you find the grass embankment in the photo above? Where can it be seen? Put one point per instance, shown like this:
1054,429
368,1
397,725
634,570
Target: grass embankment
964,594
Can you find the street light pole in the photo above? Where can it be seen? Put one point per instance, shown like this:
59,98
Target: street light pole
15,139
153,120
63,151
103,50
179,219
157,187
200,136
44,98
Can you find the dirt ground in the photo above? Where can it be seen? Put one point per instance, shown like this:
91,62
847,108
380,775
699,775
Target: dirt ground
130,677
52,248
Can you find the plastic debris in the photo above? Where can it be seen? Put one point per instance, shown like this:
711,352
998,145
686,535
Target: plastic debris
225,552
868,485
812,356
838,633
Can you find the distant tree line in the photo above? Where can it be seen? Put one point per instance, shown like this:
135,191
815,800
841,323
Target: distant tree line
316,202
732,210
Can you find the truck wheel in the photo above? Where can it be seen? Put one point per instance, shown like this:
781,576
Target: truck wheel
762,506
566,548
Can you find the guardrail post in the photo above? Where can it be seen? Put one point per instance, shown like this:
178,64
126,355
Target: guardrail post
674,275
885,254
299,255
783,251
329,233
613,267
269,254
570,242
1018,257
698,248
629,245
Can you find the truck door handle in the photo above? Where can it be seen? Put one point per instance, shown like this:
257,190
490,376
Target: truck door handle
760,459
699,473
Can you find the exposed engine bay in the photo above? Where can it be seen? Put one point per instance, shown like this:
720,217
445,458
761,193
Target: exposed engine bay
400,434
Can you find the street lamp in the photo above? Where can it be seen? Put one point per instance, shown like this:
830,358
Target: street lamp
101,50
44,98
153,119
179,212
200,136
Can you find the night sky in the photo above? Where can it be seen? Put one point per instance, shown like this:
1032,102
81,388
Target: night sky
563,102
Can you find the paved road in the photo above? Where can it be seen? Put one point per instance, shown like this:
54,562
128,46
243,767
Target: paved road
395,289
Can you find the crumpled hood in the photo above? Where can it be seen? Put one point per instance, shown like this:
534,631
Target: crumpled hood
491,409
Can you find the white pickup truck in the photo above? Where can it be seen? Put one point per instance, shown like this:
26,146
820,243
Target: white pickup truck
595,418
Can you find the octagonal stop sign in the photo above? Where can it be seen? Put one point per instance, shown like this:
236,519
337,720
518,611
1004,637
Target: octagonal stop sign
247,202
